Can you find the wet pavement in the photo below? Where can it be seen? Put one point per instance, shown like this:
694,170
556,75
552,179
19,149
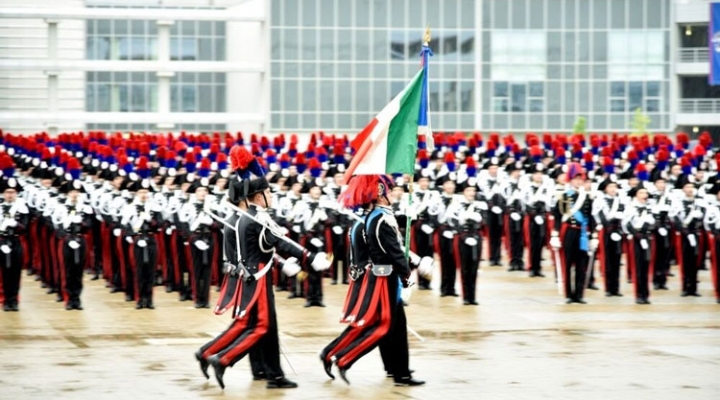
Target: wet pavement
522,342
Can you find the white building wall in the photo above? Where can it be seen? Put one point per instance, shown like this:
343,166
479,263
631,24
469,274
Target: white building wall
692,11
248,42
27,90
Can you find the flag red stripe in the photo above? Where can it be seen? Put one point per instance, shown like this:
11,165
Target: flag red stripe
363,135
360,154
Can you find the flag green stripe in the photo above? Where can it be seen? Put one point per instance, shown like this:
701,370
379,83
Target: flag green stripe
402,133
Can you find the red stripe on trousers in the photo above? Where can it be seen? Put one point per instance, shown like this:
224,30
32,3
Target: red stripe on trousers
379,332
260,328
226,338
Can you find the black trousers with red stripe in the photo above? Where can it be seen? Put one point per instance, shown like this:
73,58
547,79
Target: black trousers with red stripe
230,335
517,243
468,257
257,331
641,269
537,235
74,261
11,268
661,267
612,253
575,260
202,262
688,257
145,267
448,267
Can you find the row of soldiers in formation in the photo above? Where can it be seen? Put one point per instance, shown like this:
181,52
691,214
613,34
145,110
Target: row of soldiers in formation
155,217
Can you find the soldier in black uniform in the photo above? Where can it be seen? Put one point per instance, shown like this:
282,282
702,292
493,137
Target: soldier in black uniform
143,219
608,213
468,242
661,203
571,233
491,192
446,236
687,215
73,220
258,239
390,270
421,237
712,227
537,200
639,222
515,212
13,224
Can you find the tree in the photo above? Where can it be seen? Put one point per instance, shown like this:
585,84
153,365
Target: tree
579,126
639,122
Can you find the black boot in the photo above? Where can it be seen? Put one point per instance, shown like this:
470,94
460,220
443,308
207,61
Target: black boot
203,364
219,370
408,381
77,305
328,367
281,383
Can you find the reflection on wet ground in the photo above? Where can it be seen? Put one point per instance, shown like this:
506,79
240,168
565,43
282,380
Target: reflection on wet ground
522,342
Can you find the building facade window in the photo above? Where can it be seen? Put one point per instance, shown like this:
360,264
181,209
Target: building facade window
121,92
198,92
334,65
594,58
121,40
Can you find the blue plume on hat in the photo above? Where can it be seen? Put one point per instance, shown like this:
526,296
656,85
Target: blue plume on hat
142,169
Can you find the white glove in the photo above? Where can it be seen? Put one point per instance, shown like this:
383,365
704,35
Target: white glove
414,259
697,214
322,215
593,245
320,262
202,246
496,210
141,243
146,216
425,267
291,267
117,231
73,245
474,216
316,242
10,223
65,223
427,229
406,293
5,249
169,230
638,222
129,239
618,215
411,212
77,218
515,216
555,242
296,228
649,219
205,219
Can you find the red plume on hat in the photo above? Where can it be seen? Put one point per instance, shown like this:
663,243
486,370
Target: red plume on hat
364,189
240,158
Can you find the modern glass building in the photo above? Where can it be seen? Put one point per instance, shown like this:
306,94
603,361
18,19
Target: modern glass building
514,65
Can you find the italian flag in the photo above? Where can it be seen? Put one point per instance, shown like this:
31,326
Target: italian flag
388,144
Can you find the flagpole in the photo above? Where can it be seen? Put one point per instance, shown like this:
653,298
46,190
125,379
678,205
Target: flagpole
424,54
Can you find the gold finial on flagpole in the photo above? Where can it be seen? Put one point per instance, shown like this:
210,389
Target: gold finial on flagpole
426,37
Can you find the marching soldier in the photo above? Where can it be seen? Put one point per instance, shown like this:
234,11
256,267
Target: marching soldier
385,320
467,218
687,213
445,236
664,242
142,220
639,222
311,216
712,226
608,212
14,222
537,198
73,219
571,233
515,214
198,228
259,238
421,238
491,193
